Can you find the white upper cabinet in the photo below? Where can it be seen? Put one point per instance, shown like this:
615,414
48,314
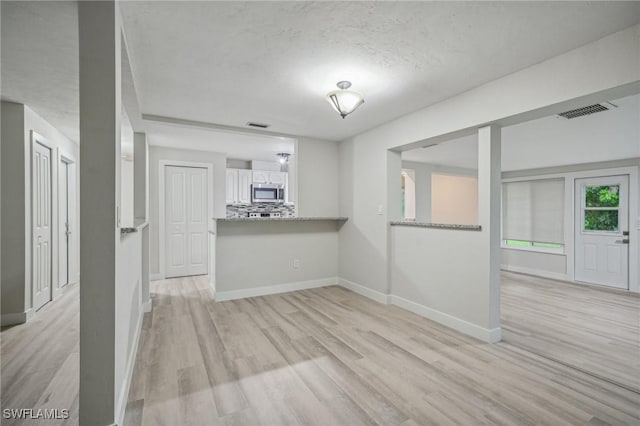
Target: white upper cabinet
264,176
238,186
232,186
244,186
260,176
276,178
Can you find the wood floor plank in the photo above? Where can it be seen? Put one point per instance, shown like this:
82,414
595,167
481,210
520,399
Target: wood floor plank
328,356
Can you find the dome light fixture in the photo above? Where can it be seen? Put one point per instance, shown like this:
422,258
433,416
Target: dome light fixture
344,101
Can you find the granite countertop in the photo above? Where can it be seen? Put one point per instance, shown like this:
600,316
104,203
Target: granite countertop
137,225
437,225
279,219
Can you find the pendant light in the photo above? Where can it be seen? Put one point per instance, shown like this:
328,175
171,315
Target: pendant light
344,101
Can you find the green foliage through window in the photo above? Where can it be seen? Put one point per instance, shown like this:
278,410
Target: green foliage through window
601,220
521,243
602,196
518,243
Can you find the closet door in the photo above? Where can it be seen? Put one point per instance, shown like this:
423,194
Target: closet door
185,221
41,224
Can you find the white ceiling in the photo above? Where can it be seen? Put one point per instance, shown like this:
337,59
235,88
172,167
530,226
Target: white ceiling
273,62
550,141
237,146
40,60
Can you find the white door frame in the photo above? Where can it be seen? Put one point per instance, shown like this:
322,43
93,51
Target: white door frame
578,223
569,194
69,160
36,138
161,205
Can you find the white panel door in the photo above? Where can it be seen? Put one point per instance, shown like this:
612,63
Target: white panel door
244,186
197,221
41,224
601,231
63,225
185,221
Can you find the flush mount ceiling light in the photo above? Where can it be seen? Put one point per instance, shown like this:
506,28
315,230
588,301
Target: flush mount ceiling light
344,101
284,157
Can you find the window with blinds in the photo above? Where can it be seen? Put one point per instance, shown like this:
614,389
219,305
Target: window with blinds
533,213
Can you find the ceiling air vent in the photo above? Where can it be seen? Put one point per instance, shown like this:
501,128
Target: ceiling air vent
588,110
259,125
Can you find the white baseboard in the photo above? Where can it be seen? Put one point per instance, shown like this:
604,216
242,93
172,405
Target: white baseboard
536,272
365,291
212,289
274,289
16,318
147,306
155,277
128,375
455,323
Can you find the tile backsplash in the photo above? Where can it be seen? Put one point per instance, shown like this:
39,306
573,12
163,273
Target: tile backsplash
286,210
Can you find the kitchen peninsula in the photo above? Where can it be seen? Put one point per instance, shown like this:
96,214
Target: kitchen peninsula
259,256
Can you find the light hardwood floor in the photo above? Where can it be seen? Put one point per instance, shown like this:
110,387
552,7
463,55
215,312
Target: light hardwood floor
40,361
594,329
330,357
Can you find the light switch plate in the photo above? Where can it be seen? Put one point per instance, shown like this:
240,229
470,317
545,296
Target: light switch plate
380,209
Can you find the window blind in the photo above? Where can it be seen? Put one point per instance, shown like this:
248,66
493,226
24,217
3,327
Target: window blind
533,211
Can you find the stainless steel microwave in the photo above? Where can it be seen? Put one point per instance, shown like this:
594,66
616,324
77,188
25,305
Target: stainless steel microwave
267,193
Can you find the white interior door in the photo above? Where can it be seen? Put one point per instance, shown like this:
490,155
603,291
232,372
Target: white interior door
601,231
41,224
63,226
185,221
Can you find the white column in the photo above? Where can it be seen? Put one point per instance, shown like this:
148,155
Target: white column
141,207
140,176
100,104
489,190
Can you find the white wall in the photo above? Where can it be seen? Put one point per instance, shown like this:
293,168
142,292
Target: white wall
254,255
454,199
156,154
424,173
18,121
126,192
128,310
603,66
449,284
318,183
560,265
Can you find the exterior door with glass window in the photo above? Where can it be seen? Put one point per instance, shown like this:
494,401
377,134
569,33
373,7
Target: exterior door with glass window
601,231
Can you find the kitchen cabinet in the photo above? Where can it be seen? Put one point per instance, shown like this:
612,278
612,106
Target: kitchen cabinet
260,176
238,186
267,177
277,178
244,186
232,186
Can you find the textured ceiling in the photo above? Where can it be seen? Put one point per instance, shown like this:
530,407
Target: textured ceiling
549,141
273,62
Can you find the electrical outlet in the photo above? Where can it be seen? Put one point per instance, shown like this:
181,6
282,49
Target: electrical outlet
380,209
296,263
